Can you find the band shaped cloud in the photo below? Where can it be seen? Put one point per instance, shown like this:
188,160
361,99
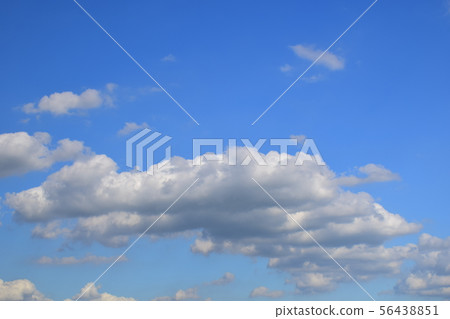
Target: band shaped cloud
229,211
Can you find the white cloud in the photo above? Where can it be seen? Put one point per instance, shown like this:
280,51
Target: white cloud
169,58
88,259
227,278
311,282
22,153
67,103
92,294
431,274
374,174
50,230
188,294
286,68
329,60
110,206
202,246
131,127
19,290
265,292
192,293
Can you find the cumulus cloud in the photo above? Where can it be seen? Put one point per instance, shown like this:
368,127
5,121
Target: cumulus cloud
22,153
233,214
308,52
431,274
19,290
93,294
132,127
68,103
374,174
265,292
88,259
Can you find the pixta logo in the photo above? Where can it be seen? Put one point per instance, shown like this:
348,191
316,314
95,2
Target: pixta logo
141,147
147,141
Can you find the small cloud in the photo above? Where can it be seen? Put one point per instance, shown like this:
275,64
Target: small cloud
266,292
69,103
131,127
89,259
329,60
313,78
155,89
300,138
188,294
311,282
111,87
227,278
286,68
149,90
51,230
90,293
169,58
202,246
374,174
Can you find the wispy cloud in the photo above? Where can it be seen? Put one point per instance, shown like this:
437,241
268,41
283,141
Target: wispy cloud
374,174
300,138
227,278
310,53
266,292
169,58
89,259
286,68
131,127
192,293
187,294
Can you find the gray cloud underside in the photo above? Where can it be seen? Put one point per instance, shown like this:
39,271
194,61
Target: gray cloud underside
230,214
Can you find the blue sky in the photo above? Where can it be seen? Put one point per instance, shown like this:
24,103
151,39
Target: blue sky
382,98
